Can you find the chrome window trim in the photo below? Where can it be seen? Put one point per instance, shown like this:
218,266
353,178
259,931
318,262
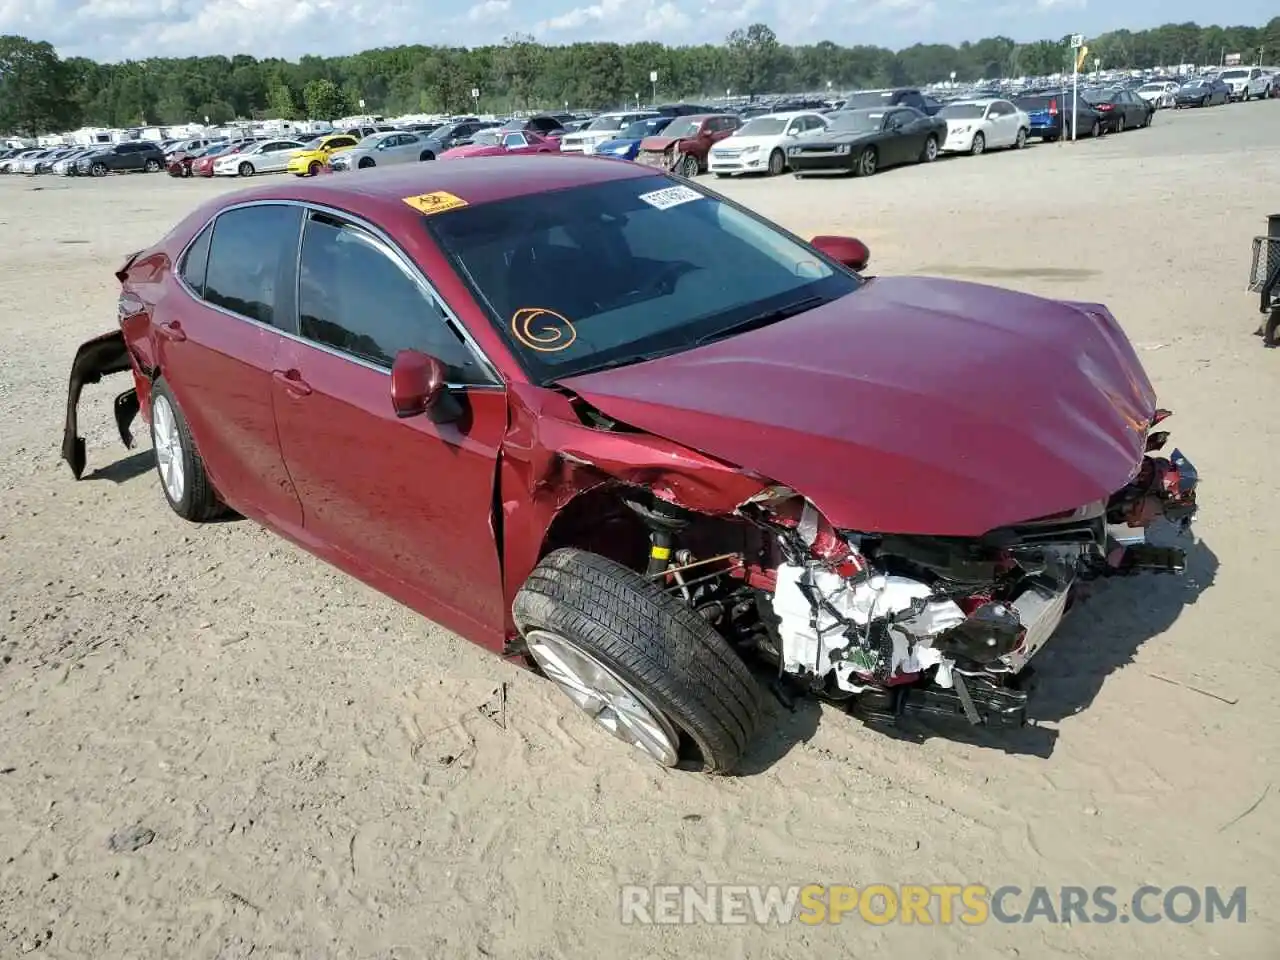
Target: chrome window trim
405,261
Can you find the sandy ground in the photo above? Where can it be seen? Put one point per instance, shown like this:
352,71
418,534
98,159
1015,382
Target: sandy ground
320,767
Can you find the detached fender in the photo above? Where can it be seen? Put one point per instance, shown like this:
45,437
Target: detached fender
94,360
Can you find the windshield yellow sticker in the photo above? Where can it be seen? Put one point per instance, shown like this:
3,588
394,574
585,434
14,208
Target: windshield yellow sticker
543,330
437,202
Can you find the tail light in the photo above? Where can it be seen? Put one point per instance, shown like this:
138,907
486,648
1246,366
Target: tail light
1053,108
1104,106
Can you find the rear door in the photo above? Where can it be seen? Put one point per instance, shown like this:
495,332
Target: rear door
217,338
403,501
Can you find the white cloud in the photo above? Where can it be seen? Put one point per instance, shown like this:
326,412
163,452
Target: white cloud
619,19
489,11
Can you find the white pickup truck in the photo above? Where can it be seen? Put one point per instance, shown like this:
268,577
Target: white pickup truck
1248,83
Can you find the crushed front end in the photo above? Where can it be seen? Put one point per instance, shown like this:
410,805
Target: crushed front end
947,626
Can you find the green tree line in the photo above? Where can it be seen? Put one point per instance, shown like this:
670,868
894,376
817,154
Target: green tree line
40,92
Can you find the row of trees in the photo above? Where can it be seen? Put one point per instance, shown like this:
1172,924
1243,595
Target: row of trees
40,92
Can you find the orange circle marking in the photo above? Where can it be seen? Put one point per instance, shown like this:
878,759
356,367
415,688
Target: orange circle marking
542,330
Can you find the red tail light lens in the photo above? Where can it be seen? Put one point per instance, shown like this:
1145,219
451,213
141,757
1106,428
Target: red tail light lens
1053,108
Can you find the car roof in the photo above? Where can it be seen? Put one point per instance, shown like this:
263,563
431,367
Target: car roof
787,115
975,102
476,180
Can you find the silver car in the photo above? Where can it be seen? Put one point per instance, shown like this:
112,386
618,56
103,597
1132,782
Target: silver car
266,156
384,150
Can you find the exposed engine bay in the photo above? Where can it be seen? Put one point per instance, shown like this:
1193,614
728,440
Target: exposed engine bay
944,626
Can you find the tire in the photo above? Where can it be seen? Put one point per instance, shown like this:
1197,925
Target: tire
426,155
777,163
245,169
1095,131
98,170
689,166
186,171
671,659
979,145
1120,124
195,499
867,163
1204,102
930,152
313,168
152,166
1020,142
365,163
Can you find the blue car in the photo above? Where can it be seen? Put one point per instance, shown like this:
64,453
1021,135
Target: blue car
627,145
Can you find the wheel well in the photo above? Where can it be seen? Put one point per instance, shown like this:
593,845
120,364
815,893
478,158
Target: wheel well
598,521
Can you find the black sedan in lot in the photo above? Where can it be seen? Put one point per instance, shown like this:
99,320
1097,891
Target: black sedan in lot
860,142
1120,109
1204,92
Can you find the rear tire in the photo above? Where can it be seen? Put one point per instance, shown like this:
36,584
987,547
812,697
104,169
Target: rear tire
1020,141
365,163
192,497
98,170
153,166
689,166
674,663
930,152
1095,131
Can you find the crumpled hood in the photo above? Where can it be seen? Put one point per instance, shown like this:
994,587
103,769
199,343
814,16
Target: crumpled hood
913,405
658,143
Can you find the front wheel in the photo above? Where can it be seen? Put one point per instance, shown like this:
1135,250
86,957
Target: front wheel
1120,124
152,166
777,163
979,144
313,168
245,169
98,169
183,479
688,166
365,163
867,163
1021,140
930,152
639,661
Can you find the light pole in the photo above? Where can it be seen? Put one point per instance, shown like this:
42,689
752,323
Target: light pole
953,78
475,99
653,82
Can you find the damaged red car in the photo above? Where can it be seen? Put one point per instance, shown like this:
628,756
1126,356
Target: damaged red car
718,447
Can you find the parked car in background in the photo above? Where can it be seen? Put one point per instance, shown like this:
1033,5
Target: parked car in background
496,143
626,144
202,166
1120,109
684,145
1238,80
862,142
892,97
1051,113
974,126
603,128
316,154
66,166
45,163
760,145
14,160
265,156
1263,86
1202,92
544,125
127,157
1159,94
182,148
384,150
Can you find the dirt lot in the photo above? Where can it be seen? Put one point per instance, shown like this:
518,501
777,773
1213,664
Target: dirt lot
328,776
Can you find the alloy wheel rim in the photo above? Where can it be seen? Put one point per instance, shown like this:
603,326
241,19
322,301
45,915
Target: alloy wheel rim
931,149
168,445
604,696
979,143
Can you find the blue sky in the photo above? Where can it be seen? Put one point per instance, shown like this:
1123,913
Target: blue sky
119,29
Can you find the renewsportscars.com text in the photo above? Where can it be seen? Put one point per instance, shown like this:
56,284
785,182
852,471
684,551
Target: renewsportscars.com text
928,904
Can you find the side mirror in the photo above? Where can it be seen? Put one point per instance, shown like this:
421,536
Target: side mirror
417,383
852,253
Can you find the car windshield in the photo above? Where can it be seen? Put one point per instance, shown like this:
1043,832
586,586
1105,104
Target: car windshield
640,129
682,128
315,144
1151,88
605,123
763,127
856,121
874,99
962,111
1193,84
616,272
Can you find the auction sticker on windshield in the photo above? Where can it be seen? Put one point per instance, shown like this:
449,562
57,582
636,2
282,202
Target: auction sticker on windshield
437,202
670,197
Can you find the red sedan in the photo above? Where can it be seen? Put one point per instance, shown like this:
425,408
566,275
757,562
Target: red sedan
202,166
606,423
496,143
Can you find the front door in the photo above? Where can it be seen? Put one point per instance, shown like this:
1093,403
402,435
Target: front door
405,502
218,337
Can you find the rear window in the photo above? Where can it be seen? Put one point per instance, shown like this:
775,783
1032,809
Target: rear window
962,111
881,98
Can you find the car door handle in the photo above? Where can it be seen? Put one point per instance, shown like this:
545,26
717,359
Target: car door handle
171,331
292,382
